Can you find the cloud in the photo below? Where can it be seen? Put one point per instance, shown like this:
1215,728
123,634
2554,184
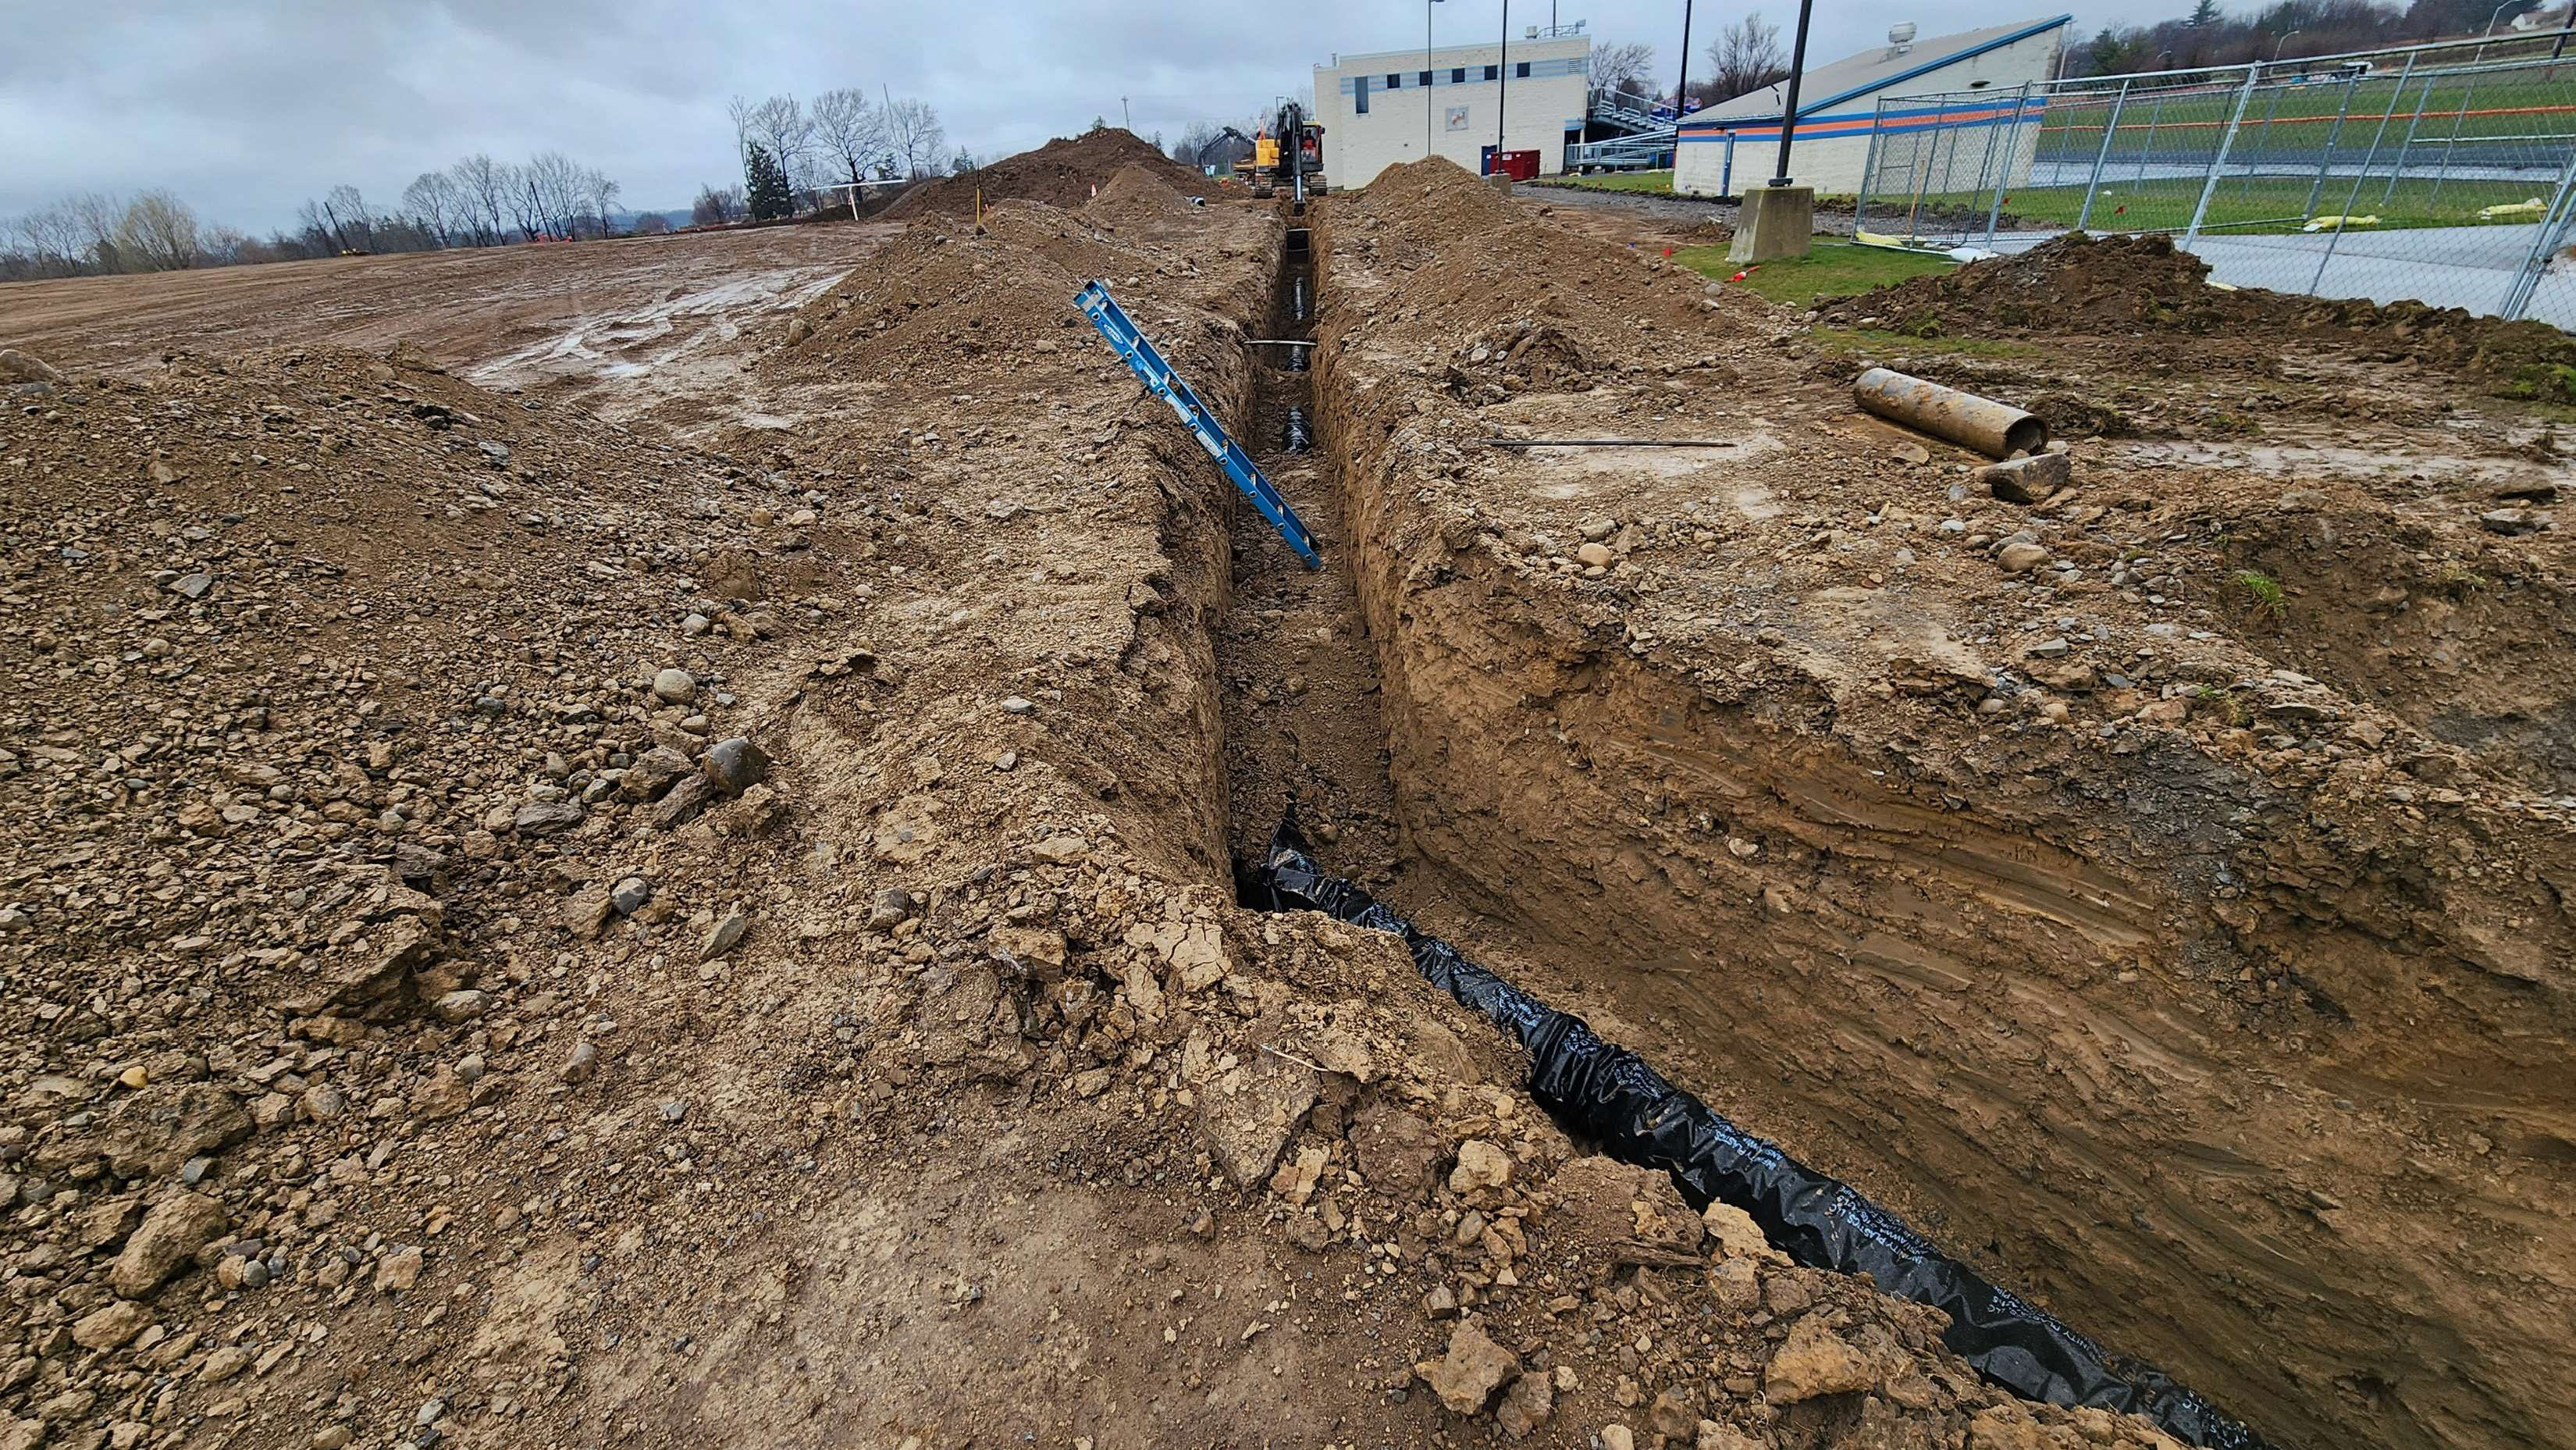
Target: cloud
249,107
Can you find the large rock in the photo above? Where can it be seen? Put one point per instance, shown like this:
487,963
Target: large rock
171,1234
734,765
18,367
153,1130
1247,1115
370,970
1815,1361
110,1326
1474,1367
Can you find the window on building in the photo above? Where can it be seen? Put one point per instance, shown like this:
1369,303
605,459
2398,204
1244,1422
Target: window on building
1395,80
1520,71
1493,72
1426,79
1458,77
1359,94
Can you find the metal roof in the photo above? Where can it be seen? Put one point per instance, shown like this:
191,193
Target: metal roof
1874,69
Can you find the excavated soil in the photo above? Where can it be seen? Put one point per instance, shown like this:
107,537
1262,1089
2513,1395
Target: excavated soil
1065,172
583,884
2086,286
2156,893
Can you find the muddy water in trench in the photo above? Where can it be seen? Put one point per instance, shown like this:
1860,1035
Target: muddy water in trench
1299,673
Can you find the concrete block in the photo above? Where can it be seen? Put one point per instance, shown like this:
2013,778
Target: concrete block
1775,222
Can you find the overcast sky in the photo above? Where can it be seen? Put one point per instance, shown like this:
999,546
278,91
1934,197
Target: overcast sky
247,107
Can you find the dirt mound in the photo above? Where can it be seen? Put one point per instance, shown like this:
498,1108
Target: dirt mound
1137,194
2092,286
1433,200
1064,172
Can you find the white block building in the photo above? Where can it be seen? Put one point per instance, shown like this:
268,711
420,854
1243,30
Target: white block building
1401,105
1736,144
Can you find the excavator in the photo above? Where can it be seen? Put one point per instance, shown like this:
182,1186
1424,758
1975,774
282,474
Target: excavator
1283,156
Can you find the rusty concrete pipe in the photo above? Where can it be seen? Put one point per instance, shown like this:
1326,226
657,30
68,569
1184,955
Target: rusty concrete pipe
1998,430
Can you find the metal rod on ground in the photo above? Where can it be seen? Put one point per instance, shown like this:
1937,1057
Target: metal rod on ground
2226,142
1789,110
2317,188
2003,174
2110,128
2316,284
1995,429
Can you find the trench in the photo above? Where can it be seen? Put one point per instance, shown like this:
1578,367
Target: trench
1295,662
1304,717
1304,721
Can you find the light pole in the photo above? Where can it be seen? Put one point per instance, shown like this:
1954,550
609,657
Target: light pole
1503,76
2499,15
1789,112
1681,95
2285,42
1426,76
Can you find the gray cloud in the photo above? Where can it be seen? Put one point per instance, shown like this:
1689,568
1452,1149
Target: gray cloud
249,107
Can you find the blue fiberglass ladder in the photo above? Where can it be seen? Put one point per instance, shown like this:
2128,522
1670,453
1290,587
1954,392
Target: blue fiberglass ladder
1148,365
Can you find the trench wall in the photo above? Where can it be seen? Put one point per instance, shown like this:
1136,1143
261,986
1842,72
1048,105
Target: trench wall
2030,1020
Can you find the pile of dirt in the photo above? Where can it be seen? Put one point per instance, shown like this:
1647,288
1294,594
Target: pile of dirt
2093,286
1065,172
1137,196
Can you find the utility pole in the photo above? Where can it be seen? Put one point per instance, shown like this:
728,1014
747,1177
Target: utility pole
1789,111
1681,96
1503,76
1427,144
1125,118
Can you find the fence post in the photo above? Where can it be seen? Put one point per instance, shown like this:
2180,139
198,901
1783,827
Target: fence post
2003,174
2412,121
2318,187
1983,162
1726,180
2553,224
2109,129
2316,284
2452,145
1868,165
2218,163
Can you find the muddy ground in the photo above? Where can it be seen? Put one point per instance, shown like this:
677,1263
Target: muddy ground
652,865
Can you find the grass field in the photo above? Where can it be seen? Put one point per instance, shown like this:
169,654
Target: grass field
2518,118
1658,182
2242,204
1833,269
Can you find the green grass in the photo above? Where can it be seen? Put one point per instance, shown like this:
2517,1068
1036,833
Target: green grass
2283,131
2242,205
2263,593
1659,183
1833,269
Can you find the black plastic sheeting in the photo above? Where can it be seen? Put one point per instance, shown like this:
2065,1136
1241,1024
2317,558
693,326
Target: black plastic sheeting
1610,1096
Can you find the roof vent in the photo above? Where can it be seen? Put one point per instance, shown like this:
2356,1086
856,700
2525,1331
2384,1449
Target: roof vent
1900,38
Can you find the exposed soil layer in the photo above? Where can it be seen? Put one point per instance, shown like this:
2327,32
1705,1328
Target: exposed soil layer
2054,872
1065,172
2090,286
519,929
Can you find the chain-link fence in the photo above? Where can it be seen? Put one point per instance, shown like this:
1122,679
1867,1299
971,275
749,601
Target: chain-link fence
2437,173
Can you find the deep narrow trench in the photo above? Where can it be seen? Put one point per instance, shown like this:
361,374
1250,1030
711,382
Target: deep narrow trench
1298,671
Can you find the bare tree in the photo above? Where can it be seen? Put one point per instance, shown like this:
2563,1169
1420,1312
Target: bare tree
157,234
781,125
1623,71
1747,57
850,132
915,137
715,206
433,199
600,194
520,195
482,184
